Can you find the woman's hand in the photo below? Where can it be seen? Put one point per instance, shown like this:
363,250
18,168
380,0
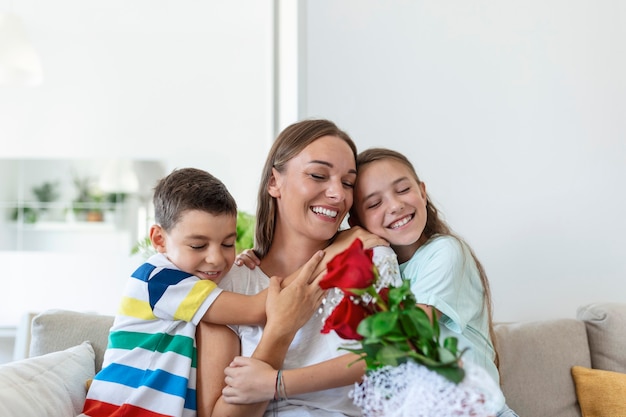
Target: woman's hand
249,381
289,308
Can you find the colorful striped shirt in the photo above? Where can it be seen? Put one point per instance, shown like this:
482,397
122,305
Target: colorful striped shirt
149,366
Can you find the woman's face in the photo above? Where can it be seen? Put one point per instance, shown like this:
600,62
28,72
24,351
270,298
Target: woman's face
390,202
314,192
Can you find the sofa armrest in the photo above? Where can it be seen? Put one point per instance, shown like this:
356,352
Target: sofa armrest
606,331
535,363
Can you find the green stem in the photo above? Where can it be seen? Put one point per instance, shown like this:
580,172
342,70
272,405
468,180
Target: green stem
379,301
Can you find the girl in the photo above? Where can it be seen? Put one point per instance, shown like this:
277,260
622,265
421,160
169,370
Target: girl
446,277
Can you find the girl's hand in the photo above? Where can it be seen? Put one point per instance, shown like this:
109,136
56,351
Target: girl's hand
345,238
247,258
249,381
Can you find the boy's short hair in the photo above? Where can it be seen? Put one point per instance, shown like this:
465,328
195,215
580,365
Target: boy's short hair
190,189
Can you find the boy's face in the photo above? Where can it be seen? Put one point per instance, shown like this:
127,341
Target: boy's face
201,244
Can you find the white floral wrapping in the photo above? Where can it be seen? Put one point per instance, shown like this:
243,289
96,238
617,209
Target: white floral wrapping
412,390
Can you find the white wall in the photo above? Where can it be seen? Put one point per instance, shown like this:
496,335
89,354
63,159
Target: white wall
514,114
185,82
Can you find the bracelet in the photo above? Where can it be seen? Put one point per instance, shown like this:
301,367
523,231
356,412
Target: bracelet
283,390
280,392
276,384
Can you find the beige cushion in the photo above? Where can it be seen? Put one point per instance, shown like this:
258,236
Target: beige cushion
51,385
535,362
606,329
600,393
55,330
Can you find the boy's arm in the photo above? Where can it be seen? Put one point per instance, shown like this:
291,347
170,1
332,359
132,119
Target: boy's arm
233,308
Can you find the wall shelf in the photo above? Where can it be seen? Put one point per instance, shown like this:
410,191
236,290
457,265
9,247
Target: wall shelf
55,204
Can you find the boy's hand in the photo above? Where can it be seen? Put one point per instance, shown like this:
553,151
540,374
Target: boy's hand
248,258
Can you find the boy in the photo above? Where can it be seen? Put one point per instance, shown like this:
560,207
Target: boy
150,363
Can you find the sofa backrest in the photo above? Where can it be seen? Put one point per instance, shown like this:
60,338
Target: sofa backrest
55,330
535,363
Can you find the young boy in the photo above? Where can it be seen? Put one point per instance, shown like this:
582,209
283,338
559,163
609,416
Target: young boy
150,363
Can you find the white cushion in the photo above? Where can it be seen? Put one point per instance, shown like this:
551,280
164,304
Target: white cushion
52,385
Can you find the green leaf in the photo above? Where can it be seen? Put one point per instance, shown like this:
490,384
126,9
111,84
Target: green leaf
384,323
445,355
417,320
391,355
451,343
454,374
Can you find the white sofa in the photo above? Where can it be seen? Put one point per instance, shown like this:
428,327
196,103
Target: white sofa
536,364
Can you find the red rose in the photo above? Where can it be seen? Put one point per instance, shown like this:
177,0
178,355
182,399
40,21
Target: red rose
345,319
352,268
384,294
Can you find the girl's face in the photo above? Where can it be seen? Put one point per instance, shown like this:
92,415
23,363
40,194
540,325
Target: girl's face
315,191
391,203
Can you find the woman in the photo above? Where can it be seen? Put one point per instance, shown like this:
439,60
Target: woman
305,192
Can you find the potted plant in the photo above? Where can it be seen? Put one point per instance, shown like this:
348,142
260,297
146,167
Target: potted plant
88,203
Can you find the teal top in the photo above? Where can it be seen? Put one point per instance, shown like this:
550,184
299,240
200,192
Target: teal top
444,275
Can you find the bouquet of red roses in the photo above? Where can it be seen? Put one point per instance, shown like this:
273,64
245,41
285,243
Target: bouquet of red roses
410,373
386,320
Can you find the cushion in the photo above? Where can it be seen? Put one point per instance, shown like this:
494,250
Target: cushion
535,362
600,393
55,330
605,329
51,385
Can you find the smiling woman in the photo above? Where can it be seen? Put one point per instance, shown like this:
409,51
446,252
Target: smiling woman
306,190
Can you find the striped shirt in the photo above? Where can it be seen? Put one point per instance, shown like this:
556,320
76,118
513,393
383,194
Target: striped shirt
149,366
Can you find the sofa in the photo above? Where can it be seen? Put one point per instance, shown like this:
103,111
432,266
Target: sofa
557,368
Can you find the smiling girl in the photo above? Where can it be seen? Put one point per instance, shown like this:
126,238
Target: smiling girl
446,277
